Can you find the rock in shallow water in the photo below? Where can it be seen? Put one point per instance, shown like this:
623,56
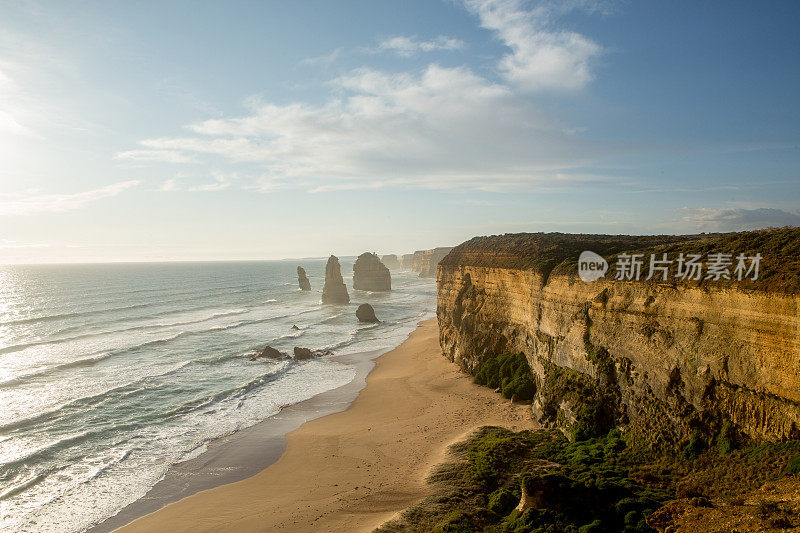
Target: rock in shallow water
302,353
365,313
302,279
269,353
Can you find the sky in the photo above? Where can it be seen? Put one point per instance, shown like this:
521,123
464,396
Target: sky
151,131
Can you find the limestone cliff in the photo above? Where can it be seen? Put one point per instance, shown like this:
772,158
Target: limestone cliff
424,262
407,261
369,274
334,290
430,260
661,359
391,262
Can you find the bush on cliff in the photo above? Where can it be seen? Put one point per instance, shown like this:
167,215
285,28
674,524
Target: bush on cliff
510,373
598,484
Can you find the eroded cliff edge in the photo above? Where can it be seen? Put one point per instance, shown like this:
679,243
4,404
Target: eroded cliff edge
660,360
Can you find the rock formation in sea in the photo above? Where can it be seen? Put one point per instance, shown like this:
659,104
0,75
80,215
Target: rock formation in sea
369,274
334,291
268,353
302,353
407,261
302,279
664,360
391,262
366,313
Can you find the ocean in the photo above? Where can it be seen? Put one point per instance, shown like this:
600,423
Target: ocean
111,373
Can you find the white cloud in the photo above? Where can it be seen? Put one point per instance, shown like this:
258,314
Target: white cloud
443,128
439,127
542,57
33,202
408,46
220,182
167,156
737,219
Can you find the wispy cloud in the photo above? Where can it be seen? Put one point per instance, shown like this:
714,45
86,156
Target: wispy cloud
34,202
737,219
6,244
408,46
325,59
542,57
219,182
166,156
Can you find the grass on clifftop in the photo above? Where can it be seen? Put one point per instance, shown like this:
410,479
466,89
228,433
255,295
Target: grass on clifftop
596,485
558,253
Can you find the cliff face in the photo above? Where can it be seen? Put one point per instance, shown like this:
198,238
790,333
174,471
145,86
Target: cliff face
369,274
407,261
661,359
391,262
424,262
430,260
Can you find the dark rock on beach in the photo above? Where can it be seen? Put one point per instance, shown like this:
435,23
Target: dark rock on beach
365,313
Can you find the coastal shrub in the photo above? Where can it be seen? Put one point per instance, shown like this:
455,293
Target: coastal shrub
793,465
726,440
595,484
502,501
696,445
510,373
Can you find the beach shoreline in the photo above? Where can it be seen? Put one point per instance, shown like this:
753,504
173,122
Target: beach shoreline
246,452
356,468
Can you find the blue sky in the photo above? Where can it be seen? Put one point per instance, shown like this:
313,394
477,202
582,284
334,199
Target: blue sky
258,130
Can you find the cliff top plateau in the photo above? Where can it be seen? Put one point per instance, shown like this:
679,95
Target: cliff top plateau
557,253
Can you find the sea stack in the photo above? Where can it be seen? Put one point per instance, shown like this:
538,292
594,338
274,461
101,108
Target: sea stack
305,285
369,274
334,292
391,262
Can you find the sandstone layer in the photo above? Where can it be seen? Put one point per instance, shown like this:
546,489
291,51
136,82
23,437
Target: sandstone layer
661,360
369,274
334,290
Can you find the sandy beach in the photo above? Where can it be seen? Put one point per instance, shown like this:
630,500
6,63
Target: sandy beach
353,470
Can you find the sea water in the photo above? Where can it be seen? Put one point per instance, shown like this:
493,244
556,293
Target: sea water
111,373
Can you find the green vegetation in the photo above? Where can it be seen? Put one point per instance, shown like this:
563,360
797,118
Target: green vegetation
558,253
598,484
510,373
793,465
